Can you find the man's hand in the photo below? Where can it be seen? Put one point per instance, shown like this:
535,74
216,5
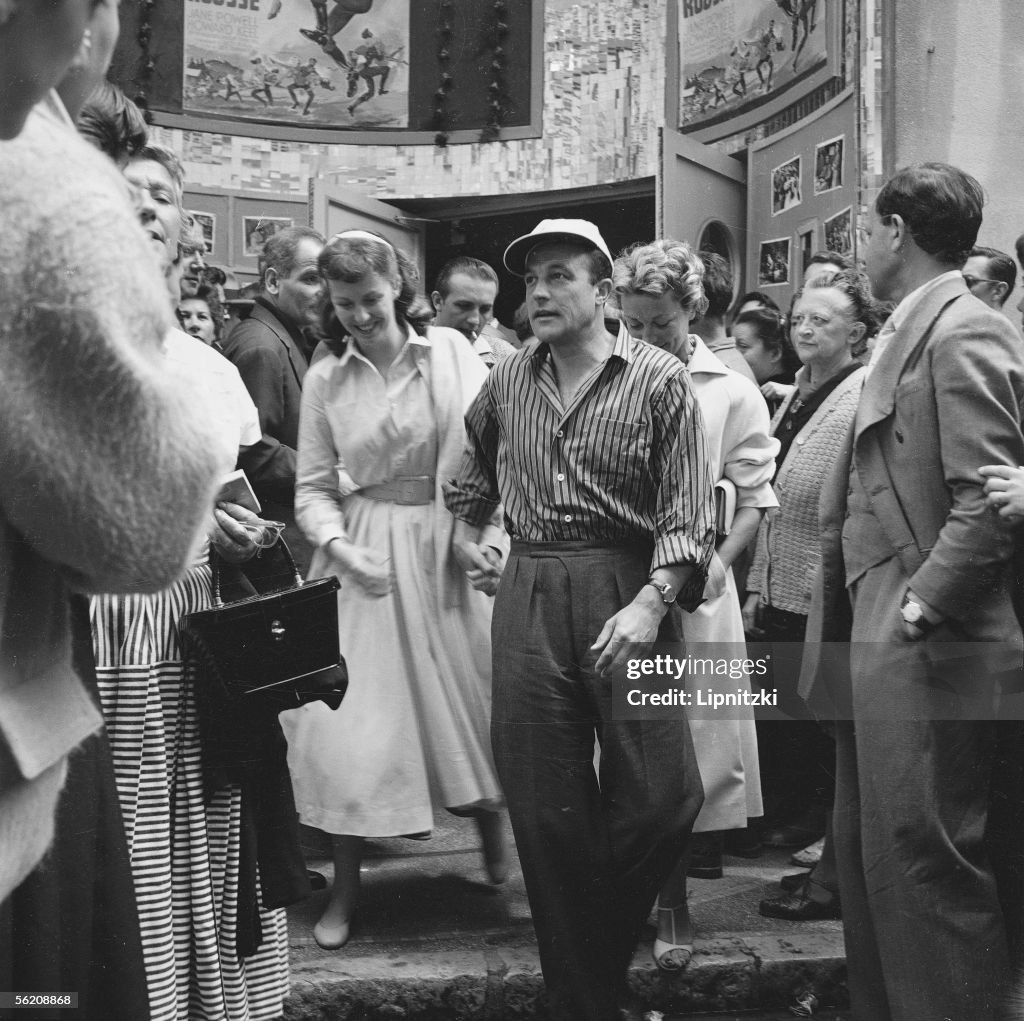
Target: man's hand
637,622
1004,490
481,564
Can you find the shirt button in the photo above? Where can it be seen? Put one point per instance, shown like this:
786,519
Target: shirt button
560,433
567,518
560,477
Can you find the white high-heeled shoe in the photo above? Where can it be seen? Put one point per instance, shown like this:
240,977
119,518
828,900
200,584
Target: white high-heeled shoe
671,956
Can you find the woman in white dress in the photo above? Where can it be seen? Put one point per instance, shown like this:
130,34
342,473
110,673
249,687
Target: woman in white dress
381,429
658,291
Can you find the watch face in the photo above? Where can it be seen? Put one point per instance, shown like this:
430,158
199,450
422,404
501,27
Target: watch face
912,613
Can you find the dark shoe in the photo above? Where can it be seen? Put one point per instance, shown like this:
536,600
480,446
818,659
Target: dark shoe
744,843
793,881
705,856
798,907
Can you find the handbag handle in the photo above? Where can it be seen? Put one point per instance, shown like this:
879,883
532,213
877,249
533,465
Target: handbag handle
215,561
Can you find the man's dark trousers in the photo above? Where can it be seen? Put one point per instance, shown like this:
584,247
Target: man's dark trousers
594,850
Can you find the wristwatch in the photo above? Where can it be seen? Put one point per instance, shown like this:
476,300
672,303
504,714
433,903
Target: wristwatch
668,593
913,614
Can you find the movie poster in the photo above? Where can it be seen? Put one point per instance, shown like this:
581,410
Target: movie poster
735,54
321,63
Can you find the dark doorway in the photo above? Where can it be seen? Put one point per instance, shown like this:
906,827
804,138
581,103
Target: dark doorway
471,229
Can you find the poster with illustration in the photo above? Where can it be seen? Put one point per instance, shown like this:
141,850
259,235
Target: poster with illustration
207,223
773,265
839,232
257,231
735,55
325,63
828,165
786,191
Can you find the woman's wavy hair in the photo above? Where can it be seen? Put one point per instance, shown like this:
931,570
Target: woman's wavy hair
770,327
208,292
349,259
661,267
855,286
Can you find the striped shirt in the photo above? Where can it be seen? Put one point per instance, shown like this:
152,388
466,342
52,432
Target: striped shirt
625,461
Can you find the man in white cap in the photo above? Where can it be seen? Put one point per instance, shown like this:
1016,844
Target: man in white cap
595,446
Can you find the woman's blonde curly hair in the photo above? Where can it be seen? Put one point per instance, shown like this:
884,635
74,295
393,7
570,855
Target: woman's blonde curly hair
662,267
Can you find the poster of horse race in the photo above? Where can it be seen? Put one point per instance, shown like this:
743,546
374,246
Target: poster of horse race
322,63
736,55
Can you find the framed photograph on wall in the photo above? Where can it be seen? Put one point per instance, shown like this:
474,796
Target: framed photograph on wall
207,222
257,230
786,188
828,165
839,232
774,264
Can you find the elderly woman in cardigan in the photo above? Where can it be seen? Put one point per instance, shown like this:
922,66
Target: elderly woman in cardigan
833,316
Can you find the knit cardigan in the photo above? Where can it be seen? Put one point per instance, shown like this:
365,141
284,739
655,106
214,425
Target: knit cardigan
108,459
788,548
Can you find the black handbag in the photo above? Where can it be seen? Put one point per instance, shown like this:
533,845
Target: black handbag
279,648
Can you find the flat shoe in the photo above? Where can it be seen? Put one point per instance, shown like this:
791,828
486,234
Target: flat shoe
331,937
798,907
810,855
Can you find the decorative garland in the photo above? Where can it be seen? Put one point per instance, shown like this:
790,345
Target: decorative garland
497,88
446,32
146,63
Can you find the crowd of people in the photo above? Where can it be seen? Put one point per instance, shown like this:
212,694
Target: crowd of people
511,516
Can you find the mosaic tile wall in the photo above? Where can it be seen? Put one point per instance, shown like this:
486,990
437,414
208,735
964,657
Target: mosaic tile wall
603,103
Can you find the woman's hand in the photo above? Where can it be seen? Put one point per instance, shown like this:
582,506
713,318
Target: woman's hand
1004,489
751,613
776,391
229,535
370,571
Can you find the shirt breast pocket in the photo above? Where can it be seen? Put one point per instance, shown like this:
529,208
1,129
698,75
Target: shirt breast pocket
619,452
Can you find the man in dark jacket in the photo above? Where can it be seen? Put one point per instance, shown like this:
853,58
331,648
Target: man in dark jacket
271,350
